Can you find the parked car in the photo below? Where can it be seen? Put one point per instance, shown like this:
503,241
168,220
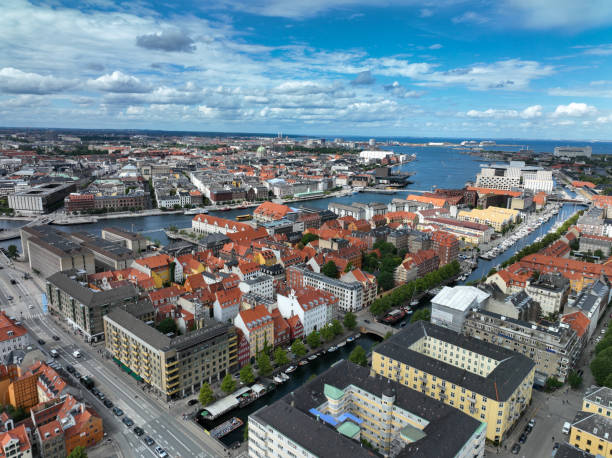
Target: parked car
70,368
523,438
532,422
128,422
516,448
192,402
138,431
117,411
161,452
108,403
41,342
147,440
56,338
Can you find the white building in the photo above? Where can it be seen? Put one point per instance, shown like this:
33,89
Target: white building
226,305
374,155
451,305
313,309
13,336
573,151
515,175
259,285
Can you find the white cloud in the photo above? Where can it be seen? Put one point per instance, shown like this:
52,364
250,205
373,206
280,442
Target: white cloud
470,17
492,113
544,14
604,119
15,81
436,46
574,109
534,111
118,82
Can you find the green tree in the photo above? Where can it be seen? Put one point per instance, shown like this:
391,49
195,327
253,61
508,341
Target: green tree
78,452
387,335
604,343
313,339
280,356
12,251
228,384
597,253
263,364
336,326
327,333
298,348
167,325
574,380
350,321
245,433
385,280
348,267
421,315
358,356
206,395
330,269
552,383
246,375
601,366
307,238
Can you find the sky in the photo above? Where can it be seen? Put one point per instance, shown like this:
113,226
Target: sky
538,69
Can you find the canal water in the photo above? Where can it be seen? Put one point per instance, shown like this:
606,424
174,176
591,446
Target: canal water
297,379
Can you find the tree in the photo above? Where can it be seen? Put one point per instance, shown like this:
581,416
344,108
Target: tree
246,375
336,327
358,356
552,383
421,315
574,379
327,333
298,348
206,395
280,356
330,269
12,251
385,280
78,452
228,384
307,238
387,335
350,321
264,367
167,325
599,253
313,339
348,267
601,366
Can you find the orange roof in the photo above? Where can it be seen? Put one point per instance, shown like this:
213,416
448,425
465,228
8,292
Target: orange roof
581,184
497,192
578,321
228,297
273,210
155,262
20,434
8,329
435,201
256,318
222,222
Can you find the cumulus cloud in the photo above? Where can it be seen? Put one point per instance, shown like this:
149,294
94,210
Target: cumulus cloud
363,79
436,46
118,82
393,66
532,112
400,91
470,17
574,109
167,40
15,81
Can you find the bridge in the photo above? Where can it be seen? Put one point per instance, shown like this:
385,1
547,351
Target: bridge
15,233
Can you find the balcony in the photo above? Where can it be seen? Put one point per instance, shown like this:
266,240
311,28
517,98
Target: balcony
174,369
171,362
173,384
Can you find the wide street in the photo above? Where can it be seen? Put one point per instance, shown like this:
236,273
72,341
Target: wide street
178,437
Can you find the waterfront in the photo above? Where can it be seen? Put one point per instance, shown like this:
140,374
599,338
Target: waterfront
297,379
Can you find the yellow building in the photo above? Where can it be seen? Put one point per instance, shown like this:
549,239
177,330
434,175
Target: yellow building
592,428
484,381
496,217
174,366
265,257
258,327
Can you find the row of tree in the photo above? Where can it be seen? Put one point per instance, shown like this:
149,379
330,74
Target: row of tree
405,292
601,366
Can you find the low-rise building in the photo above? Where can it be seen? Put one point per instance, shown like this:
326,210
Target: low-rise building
107,254
368,281
485,381
15,443
226,305
496,217
131,240
174,366
451,305
13,336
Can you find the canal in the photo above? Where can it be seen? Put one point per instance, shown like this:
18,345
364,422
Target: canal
297,379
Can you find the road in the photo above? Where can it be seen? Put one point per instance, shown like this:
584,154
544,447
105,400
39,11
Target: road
179,438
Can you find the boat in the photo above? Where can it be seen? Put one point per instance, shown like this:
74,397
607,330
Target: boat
195,211
290,369
350,339
341,344
358,335
332,349
226,427
394,316
403,323
414,303
303,362
277,380
312,357
283,376
171,235
246,217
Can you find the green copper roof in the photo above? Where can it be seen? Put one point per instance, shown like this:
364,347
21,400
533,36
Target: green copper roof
349,429
333,392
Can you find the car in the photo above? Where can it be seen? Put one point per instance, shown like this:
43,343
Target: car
192,402
235,445
108,403
516,448
523,438
10,298
138,431
532,422
56,338
70,368
76,353
41,342
603,331
580,372
161,452
101,396
77,374
127,421
528,429
117,411
30,306
147,440
13,281
556,446
366,321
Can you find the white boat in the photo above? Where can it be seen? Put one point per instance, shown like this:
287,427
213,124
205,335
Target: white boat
284,377
312,357
290,369
195,211
331,349
341,344
350,339
277,380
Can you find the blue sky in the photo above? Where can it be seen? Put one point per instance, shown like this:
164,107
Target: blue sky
452,68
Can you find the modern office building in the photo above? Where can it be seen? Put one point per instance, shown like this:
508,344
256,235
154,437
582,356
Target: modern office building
485,381
131,240
573,151
107,254
347,405
174,366
554,349
40,199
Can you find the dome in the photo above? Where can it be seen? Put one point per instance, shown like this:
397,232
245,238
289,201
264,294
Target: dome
261,149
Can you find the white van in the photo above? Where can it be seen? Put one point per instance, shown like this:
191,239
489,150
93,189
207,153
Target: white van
54,353
76,353
566,427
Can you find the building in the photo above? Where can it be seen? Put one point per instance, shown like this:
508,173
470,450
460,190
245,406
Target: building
130,240
107,255
270,211
496,217
592,432
82,307
174,366
226,305
446,246
452,304
208,224
468,232
368,281
573,151
426,261
260,285
592,222
350,295
40,199
15,443
332,414
550,291
515,175
49,250
13,336
315,308
555,349
257,326
485,381
593,243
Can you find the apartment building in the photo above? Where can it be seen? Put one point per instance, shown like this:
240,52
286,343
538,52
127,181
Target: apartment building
208,224
174,366
15,443
468,232
446,246
550,291
555,349
331,415
82,307
315,308
349,294
485,381
368,281
496,217
257,326
13,336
